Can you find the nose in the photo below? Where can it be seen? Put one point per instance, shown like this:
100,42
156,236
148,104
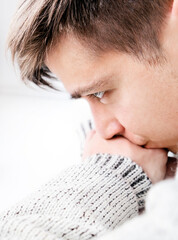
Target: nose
107,125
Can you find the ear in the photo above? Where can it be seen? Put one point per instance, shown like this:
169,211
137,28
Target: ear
175,8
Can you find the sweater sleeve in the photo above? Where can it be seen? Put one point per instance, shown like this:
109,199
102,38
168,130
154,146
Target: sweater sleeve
160,219
83,202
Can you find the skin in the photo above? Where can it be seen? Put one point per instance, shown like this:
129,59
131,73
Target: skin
140,102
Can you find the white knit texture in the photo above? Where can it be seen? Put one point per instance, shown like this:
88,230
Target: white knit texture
85,201
160,220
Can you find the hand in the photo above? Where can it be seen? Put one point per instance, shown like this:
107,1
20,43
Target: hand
152,161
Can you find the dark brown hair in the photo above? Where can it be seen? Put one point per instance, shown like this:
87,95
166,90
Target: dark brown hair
130,26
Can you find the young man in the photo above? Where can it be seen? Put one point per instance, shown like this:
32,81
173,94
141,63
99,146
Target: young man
121,56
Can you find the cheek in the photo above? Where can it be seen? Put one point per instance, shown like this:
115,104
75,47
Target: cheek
144,119
133,120
136,111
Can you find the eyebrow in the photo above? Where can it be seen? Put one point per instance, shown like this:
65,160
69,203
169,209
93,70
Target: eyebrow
91,88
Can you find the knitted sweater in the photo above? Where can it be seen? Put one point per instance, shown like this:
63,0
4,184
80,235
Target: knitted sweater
85,201
160,221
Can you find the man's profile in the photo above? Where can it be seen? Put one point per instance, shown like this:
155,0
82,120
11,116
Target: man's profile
121,56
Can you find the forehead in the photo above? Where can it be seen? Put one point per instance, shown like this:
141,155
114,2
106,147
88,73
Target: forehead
75,64
79,68
68,53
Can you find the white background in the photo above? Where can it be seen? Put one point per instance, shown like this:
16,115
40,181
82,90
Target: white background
38,129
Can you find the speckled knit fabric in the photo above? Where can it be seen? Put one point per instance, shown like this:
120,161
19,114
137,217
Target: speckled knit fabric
160,220
85,201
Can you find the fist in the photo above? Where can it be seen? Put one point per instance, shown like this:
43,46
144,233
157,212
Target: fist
152,161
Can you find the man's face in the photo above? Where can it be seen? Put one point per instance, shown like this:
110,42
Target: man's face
139,102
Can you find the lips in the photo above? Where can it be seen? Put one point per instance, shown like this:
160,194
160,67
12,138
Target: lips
153,146
136,139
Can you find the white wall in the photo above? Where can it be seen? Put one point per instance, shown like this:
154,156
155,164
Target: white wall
7,10
38,129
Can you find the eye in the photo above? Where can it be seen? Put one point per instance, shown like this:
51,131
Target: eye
99,94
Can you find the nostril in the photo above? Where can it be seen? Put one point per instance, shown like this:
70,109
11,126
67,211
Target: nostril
117,135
